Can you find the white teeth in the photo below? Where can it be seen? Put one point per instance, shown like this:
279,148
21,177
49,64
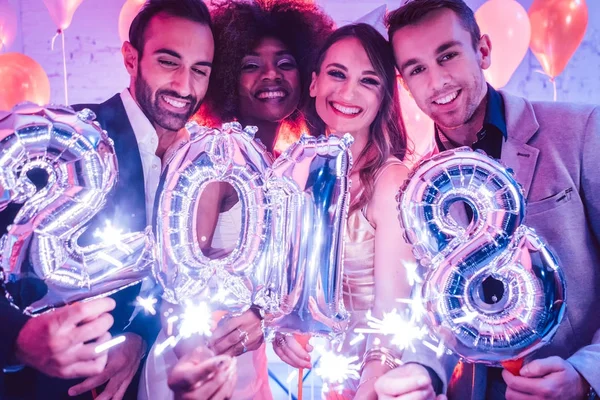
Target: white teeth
174,103
346,110
271,95
446,99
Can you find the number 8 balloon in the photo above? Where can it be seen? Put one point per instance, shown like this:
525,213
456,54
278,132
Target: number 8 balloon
78,158
493,290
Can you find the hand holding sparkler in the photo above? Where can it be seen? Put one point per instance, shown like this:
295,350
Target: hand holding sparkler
236,335
406,381
200,375
63,342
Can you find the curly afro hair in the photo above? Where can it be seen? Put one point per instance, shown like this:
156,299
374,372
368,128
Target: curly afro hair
240,25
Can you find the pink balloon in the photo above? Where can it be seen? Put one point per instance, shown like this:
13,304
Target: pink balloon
419,126
507,24
8,24
61,11
128,12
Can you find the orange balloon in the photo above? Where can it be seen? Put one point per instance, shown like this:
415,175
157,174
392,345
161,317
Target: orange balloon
61,11
507,24
22,79
557,29
8,24
130,9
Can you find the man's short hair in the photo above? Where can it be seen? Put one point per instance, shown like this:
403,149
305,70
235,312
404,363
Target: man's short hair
414,11
193,10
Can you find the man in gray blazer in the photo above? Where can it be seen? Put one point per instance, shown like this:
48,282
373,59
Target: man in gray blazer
441,54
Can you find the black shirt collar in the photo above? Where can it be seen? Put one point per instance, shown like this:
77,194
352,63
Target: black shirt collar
489,138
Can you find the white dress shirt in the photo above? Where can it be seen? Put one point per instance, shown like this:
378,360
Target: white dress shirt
147,141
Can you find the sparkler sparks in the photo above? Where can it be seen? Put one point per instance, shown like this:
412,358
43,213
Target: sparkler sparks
196,319
147,303
111,236
335,368
403,330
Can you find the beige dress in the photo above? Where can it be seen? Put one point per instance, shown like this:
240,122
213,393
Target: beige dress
358,281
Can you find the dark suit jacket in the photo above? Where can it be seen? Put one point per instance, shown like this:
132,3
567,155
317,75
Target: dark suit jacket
126,205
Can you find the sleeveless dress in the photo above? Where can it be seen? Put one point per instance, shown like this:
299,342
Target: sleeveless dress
253,377
358,281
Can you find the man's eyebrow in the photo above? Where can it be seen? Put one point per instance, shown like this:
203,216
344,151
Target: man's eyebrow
441,48
408,63
445,46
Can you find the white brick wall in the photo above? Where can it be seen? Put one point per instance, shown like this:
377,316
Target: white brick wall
95,68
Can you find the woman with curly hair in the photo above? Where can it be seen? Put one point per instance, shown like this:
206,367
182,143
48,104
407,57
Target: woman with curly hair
354,91
264,52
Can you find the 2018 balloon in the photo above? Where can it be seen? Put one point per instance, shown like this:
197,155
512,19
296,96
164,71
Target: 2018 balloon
40,247
493,289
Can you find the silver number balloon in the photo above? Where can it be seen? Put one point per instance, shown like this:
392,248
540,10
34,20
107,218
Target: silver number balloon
79,160
493,254
228,155
309,187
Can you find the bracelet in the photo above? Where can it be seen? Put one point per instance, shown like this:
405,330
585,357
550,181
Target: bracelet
381,354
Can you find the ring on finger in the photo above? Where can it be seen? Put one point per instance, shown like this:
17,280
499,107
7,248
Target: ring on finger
243,336
280,341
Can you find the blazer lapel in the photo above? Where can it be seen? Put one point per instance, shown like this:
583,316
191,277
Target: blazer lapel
126,204
521,125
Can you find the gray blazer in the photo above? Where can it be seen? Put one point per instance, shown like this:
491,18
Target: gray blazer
552,148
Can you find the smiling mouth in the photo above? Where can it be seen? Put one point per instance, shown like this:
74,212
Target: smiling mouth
349,111
271,94
447,99
174,102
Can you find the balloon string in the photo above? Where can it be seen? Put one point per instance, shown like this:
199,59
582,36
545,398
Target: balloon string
64,58
551,79
300,382
54,39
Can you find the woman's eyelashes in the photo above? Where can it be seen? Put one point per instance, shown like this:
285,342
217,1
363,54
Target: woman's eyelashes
336,73
371,81
368,81
249,66
284,64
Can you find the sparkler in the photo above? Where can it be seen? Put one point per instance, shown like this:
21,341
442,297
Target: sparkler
335,368
109,344
403,330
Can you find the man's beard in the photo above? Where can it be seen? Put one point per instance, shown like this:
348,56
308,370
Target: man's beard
164,118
